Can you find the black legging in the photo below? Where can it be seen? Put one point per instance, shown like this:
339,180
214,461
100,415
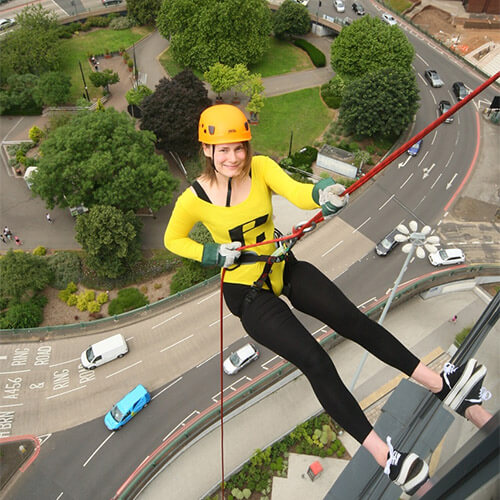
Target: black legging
269,321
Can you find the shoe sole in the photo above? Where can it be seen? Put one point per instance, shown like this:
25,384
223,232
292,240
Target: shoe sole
410,486
473,380
468,371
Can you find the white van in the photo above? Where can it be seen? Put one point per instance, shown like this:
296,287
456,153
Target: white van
105,350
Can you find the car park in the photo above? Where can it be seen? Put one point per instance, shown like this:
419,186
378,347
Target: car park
413,150
447,257
339,5
387,18
240,358
6,23
460,90
443,107
358,8
387,243
433,78
131,404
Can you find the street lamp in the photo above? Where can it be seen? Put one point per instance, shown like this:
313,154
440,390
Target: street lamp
416,242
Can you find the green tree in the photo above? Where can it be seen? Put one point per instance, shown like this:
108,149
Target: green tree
23,275
381,103
368,45
111,240
173,110
291,19
143,11
137,95
53,88
204,32
20,95
101,159
220,77
104,78
33,47
332,92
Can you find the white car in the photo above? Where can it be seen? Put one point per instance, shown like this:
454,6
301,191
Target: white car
303,2
387,18
339,5
447,257
237,360
6,23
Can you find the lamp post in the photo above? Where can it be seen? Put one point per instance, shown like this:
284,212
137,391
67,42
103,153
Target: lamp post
84,82
416,242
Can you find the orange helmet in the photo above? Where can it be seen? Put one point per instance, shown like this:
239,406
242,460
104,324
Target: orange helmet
223,124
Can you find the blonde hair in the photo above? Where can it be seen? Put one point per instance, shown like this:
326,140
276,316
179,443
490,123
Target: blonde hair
209,171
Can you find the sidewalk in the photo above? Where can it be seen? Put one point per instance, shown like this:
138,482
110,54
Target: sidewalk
420,324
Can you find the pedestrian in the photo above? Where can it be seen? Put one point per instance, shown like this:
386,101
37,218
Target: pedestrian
96,66
48,217
3,238
232,198
18,241
7,232
454,318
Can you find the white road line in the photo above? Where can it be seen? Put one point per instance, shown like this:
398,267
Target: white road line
263,365
66,392
433,98
366,302
435,182
424,61
322,330
64,362
434,137
419,203
173,345
381,207
168,319
12,128
11,373
10,406
420,162
360,226
181,424
98,448
209,297
458,137
218,321
333,248
57,5
212,357
402,185
3,357
123,369
60,495
168,387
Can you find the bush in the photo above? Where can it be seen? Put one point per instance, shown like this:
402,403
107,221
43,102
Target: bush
35,134
82,302
64,295
93,306
67,269
121,23
189,274
102,298
39,250
24,315
72,299
89,295
127,300
317,57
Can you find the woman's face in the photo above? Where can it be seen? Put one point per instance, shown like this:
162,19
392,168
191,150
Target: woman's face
229,159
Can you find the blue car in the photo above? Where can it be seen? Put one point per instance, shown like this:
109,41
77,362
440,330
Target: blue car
415,148
127,407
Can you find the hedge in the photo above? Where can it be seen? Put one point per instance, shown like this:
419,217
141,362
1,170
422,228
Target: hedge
317,57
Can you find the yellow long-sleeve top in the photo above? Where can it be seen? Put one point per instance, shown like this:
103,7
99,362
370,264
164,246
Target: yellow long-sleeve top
250,221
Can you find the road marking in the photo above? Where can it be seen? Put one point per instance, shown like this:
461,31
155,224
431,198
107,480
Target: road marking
427,171
402,185
425,62
421,161
209,297
11,373
12,128
123,369
218,321
263,365
168,319
449,159
181,424
403,163
435,182
43,438
433,98
360,226
168,387
434,137
211,357
420,202
392,196
64,362
66,392
60,495
458,137
3,357
10,406
173,345
366,302
333,248
448,186
98,448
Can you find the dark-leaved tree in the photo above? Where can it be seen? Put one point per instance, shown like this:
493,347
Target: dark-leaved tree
173,110
143,11
291,19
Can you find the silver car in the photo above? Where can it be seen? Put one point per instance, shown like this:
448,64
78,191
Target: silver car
447,257
433,78
237,360
339,5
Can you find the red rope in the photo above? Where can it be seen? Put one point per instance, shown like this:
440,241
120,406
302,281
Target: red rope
221,362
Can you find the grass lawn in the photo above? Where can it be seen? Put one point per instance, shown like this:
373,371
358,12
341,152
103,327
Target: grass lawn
282,57
302,112
81,45
398,5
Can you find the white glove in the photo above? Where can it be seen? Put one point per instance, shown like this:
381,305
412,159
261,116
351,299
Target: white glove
224,255
330,200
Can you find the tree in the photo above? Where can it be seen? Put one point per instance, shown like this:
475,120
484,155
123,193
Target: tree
20,95
23,275
381,103
53,88
104,78
291,19
332,92
143,11
368,45
137,95
173,110
33,47
110,238
202,33
220,77
100,159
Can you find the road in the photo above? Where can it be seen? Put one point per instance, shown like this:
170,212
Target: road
46,392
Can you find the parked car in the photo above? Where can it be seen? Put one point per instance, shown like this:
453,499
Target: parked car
433,78
387,18
6,23
137,399
443,107
107,3
303,2
358,8
387,243
413,151
237,360
460,90
339,5
346,21
446,257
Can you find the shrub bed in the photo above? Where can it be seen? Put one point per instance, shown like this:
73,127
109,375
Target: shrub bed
317,57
